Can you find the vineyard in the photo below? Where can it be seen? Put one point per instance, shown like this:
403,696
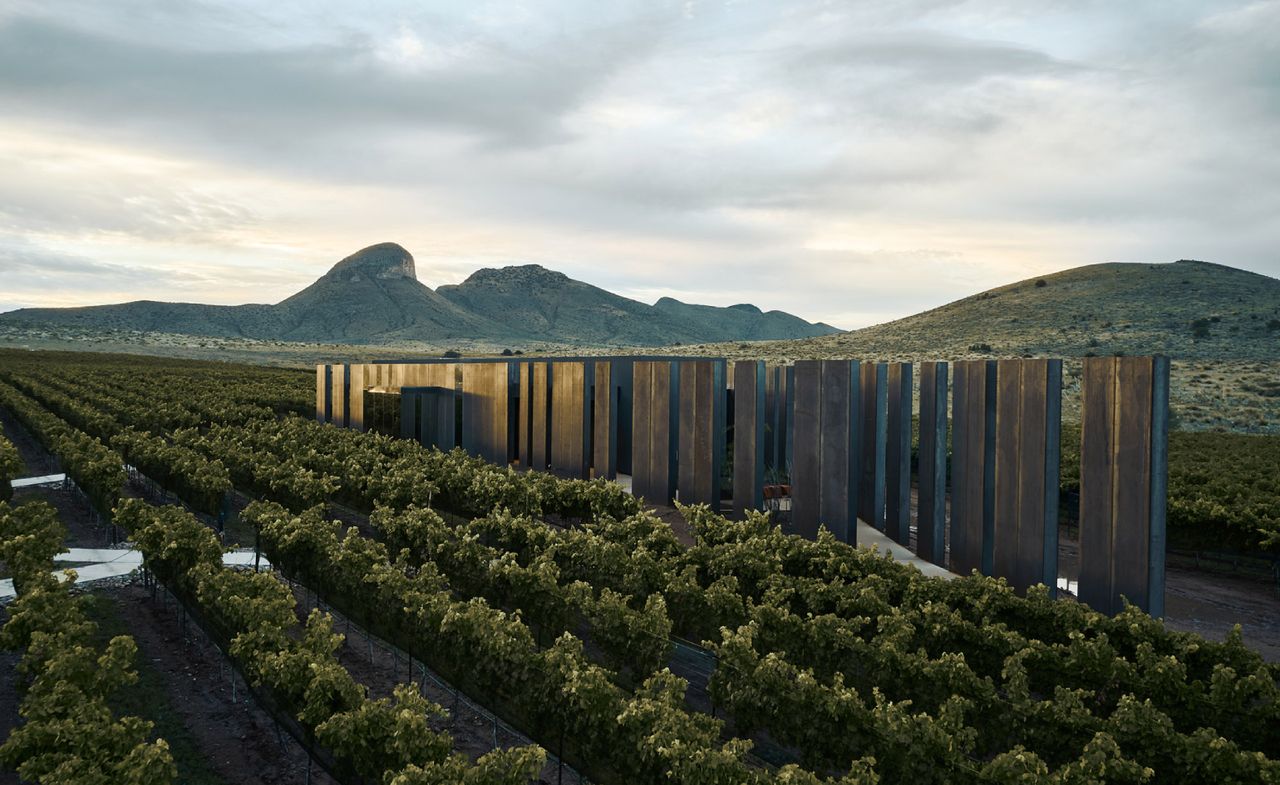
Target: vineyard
626,649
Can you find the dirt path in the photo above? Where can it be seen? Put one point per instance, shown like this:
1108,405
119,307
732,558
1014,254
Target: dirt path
237,740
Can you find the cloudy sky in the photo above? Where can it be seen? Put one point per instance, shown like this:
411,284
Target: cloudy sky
849,162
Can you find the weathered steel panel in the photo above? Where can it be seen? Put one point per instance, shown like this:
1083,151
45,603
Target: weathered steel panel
540,416
655,412
898,453
748,435
932,471
1028,416
973,469
826,462
485,401
324,392
571,419
1131,526
1123,476
1097,475
357,383
701,425
338,375
604,422
1007,488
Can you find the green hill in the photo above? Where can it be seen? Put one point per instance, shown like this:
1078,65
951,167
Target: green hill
1219,324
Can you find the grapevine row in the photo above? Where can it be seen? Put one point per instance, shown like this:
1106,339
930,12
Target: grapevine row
388,740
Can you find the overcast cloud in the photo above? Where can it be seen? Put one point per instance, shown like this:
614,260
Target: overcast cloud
848,162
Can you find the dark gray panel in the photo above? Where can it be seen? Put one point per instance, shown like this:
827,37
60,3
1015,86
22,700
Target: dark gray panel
838,446
1159,484
898,453
409,415
932,472
525,419
806,466
621,370
788,412
748,435
322,393
873,425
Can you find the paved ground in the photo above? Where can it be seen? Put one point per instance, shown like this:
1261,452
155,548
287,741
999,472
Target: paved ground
102,563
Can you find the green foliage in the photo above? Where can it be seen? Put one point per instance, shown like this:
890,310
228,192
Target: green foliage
68,734
10,466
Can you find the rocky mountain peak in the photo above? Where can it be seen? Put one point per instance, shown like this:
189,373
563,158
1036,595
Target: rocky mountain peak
384,260
516,275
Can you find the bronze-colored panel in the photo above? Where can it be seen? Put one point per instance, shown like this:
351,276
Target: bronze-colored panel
338,377
653,475
356,385
701,386
570,415
604,423
973,469
485,396
540,414
1037,491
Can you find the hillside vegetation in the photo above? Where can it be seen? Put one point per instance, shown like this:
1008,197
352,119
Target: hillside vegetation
1220,325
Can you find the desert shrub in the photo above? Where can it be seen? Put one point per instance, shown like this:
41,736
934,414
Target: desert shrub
1200,328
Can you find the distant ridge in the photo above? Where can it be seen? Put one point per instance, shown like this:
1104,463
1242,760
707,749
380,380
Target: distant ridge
1186,309
374,296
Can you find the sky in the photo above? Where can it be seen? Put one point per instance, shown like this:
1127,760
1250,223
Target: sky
847,162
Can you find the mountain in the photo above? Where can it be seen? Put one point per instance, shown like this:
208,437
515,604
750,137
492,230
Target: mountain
550,305
1186,309
374,296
